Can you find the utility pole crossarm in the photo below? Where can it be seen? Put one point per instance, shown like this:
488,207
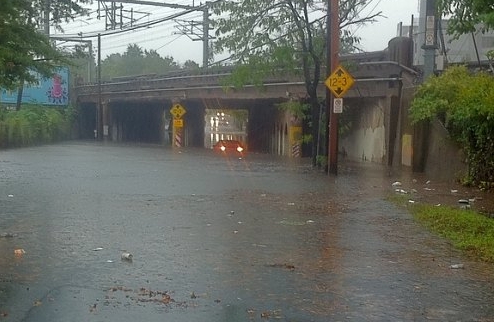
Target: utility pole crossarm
158,4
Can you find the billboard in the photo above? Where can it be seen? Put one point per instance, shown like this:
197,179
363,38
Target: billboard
47,91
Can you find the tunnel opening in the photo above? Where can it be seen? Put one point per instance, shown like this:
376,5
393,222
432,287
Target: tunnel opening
137,122
225,124
87,116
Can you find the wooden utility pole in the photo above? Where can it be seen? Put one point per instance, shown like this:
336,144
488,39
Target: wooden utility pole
99,108
333,62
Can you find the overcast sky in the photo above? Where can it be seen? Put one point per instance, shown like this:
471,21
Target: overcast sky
163,37
377,35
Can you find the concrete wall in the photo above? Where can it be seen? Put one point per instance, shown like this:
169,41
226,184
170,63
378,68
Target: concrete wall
445,159
427,147
366,138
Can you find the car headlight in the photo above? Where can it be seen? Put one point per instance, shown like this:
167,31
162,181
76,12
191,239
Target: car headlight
223,148
240,149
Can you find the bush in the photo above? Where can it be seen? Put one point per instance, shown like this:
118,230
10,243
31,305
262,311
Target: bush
33,125
465,103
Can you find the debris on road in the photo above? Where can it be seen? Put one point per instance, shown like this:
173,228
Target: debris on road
284,265
396,184
97,249
464,203
19,252
457,266
127,256
8,235
276,314
292,223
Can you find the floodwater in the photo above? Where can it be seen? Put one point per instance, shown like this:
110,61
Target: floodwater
217,239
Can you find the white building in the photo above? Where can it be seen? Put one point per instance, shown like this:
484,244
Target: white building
469,48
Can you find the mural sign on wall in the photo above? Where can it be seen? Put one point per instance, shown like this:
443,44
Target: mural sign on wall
47,91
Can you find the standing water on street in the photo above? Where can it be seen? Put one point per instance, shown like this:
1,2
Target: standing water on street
101,232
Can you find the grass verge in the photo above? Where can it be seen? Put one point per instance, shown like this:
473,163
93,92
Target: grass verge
467,230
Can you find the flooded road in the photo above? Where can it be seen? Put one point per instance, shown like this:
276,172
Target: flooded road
217,239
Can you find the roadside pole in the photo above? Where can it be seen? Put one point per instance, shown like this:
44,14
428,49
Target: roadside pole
333,61
178,111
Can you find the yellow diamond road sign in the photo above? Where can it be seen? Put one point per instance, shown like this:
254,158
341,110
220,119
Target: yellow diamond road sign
339,82
177,111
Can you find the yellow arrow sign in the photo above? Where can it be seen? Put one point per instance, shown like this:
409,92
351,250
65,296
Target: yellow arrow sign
339,82
177,111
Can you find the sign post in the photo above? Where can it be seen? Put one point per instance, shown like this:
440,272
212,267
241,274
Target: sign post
339,82
178,111
333,49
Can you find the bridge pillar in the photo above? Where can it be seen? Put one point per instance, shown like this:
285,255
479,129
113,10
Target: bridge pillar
105,118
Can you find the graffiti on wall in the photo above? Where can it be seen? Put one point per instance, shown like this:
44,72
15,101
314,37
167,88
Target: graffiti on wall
47,91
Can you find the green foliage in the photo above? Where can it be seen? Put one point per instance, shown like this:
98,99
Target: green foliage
60,10
345,121
465,16
136,61
322,161
82,65
490,55
295,108
34,125
469,231
465,102
24,50
265,37
297,27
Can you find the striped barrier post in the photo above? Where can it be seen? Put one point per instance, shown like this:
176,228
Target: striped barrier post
296,150
178,139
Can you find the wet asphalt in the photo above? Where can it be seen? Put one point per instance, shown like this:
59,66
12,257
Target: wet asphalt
217,239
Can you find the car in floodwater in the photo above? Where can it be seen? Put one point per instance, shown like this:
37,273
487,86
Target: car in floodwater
230,147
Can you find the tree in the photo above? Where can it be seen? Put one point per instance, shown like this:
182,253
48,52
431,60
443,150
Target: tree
59,10
465,16
24,51
191,65
136,61
465,103
263,36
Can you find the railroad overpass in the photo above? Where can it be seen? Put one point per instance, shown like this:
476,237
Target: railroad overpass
137,108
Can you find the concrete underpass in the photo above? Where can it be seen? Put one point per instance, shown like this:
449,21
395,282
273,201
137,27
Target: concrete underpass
257,123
